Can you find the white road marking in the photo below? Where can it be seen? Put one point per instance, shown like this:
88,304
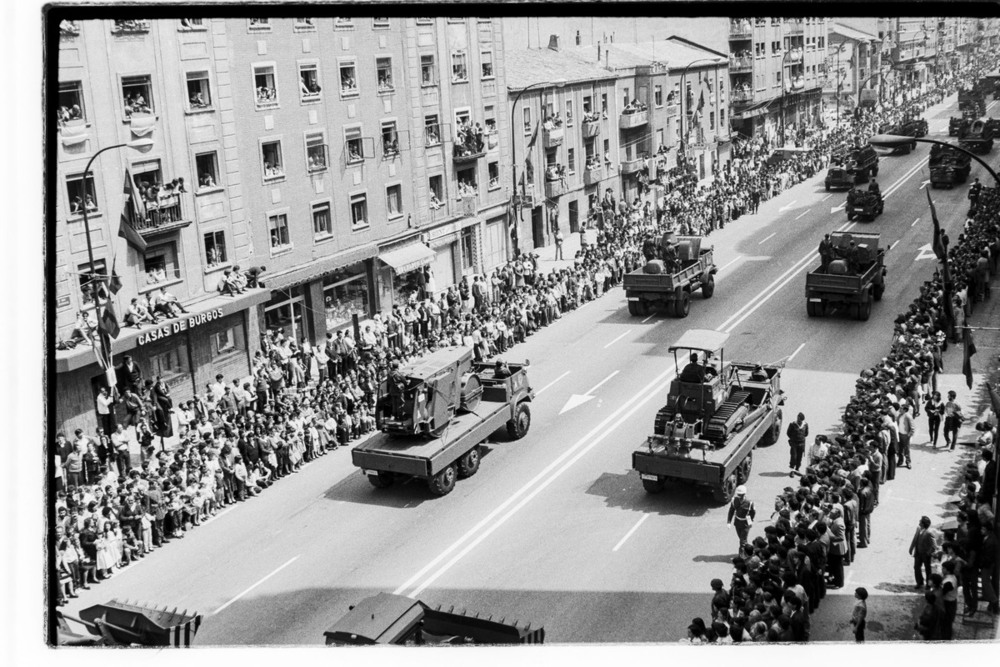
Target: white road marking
914,222
551,383
597,386
617,339
648,318
728,264
767,238
827,197
287,563
797,350
893,244
802,213
629,533
490,522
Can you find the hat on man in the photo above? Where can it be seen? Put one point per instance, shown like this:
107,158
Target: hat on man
741,490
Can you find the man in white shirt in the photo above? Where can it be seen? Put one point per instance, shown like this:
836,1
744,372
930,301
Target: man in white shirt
218,387
105,410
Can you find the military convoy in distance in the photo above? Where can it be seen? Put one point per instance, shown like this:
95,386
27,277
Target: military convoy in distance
908,127
977,136
675,267
715,416
434,414
849,167
957,123
949,167
852,276
973,100
864,204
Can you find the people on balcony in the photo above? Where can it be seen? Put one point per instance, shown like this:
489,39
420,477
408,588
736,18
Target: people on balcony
591,117
552,122
467,189
635,106
469,140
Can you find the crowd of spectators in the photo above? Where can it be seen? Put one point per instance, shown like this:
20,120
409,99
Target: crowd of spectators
818,527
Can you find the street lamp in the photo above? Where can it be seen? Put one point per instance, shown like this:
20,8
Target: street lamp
515,201
142,146
896,140
714,61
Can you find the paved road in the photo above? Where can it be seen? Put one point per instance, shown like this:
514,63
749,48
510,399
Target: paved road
555,528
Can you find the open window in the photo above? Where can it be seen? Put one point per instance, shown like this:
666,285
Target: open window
316,152
199,91
207,168
459,67
428,73
393,140
348,79
277,226
265,86
259,25
394,201
432,130
81,195
71,107
272,162
215,249
357,148
137,94
309,88
359,211
486,61
322,219
160,265
383,70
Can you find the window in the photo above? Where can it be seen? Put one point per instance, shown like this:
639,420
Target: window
490,119
427,72
432,130
343,22
206,166
160,265
486,58
658,95
322,221
383,69
227,342
821,42
130,26
71,102
390,139
425,21
265,86
436,186
527,120
316,158
493,169
711,120
277,226
193,24
309,88
359,211
571,160
468,248
80,196
137,93
215,249
274,166
88,282
625,96
348,80
659,139
587,104
172,365
380,23
569,112
198,90
467,185
305,25
394,201
459,67
353,145
463,117
604,103
259,25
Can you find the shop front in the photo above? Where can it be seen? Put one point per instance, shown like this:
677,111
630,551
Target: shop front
401,275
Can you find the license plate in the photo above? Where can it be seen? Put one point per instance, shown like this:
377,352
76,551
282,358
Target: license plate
651,478
368,472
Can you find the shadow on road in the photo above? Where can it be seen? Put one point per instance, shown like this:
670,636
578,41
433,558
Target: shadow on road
721,558
624,491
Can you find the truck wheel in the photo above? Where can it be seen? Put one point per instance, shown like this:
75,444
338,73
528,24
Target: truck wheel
468,465
633,307
811,309
442,483
682,306
865,308
654,485
744,468
642,308
381,480
877,292
725,493
708,287
772,434
827,187
518,427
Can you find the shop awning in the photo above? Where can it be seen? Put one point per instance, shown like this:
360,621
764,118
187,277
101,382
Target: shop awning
758,109
408,257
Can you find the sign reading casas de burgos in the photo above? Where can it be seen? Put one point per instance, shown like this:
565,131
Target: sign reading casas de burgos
178,326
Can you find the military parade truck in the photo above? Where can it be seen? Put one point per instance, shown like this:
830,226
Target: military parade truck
849,167
402,621
658,285
714,418
855,278
434,414
977,137
949,167
973,100
864,204
957,123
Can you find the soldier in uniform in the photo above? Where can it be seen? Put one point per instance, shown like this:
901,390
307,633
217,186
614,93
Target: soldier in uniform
826,253
741,514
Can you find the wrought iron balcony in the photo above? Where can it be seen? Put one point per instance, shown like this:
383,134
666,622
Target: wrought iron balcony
164,215
740,29
742,64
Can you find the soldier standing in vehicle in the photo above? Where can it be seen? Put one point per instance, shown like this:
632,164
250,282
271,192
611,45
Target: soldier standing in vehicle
826,253
741,513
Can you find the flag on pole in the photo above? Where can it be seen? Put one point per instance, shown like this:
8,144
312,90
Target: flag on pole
970,349
937,245
115,284
132,210
109,321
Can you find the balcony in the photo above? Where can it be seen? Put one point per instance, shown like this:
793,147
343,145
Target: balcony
593,176
555,188
164,215
464,154
794,57
591,128
631,166
742,96
740,29
552,136
796,26
672,110
742,64
798,83
634,119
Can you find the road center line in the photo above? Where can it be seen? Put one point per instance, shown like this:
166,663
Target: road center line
797,350
629,533
914,222
648,318
544,476
551,383
617,339
730,263
767,238
287,563
893,244
802,213
827,197
598,385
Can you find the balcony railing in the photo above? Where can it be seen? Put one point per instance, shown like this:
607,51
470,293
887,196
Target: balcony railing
742,96
740,29
555,188
591,128
741,64
630,120
163,215
794,56
463,155
552,136
593,175
632,166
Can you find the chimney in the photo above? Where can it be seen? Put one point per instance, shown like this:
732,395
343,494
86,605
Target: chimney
553,42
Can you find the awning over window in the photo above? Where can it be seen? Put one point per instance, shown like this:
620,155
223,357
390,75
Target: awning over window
408,258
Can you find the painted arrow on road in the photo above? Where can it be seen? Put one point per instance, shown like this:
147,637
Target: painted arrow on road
787,206
576,400
923,184
838,208
926,252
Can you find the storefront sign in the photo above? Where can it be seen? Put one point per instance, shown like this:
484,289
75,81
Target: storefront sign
179,325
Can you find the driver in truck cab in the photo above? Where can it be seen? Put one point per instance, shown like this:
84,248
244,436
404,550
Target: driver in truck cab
697,371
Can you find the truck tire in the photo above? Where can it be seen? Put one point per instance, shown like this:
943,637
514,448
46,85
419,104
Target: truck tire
744,468
468,465
682,306
633,308
518,427
865,308
708,287
654,485
811,309
772,434
724,494
827,187
878,291
381,480
642,308
442,483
